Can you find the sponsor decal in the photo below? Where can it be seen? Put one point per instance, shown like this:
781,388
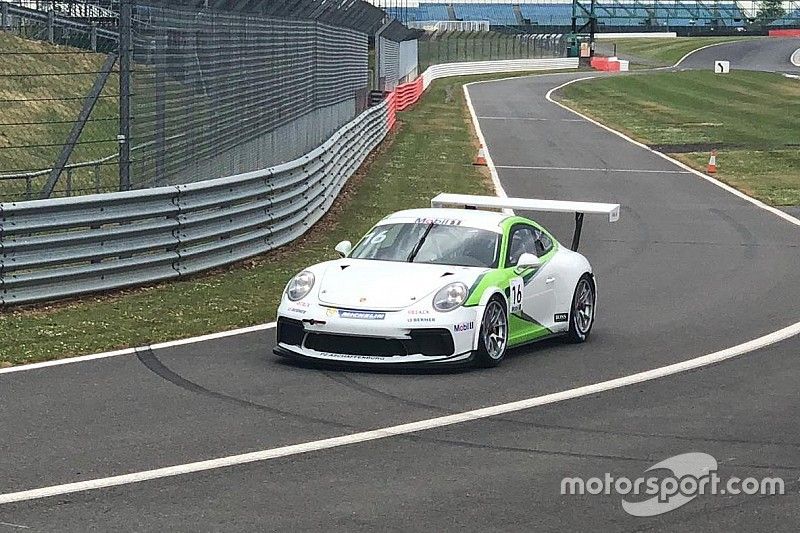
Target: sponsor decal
330,312
422,319
464,326
419,312
296,310
351,356
439,221
302,304
361,315
561,317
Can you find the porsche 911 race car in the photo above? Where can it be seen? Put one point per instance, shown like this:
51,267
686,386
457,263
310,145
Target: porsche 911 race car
455,284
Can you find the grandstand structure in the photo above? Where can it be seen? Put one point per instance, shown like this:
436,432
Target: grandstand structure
609,15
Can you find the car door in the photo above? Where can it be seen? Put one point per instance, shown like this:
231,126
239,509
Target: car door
532,291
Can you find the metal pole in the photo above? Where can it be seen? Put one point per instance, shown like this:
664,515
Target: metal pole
77,127
161,108
50,20
125,53
93,37
5,17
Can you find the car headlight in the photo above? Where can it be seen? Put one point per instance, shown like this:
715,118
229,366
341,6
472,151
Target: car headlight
450,297
300,286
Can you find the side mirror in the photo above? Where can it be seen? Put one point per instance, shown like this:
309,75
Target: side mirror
344,248
528,261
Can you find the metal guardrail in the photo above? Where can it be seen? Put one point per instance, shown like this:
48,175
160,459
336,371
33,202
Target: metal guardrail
64,247
70,246
488,67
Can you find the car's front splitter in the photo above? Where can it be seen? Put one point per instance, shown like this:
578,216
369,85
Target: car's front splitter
399,361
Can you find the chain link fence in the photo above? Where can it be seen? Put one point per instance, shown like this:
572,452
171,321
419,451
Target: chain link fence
453,46
220,93
49,63
216,88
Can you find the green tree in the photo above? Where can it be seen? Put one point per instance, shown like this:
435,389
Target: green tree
770,10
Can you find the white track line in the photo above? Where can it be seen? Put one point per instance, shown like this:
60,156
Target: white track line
498,187
795,58
131,351
703,48
533,119
582,169
403,429
432,423
786,216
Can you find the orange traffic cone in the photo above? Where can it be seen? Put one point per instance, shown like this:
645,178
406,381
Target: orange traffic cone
712,163
480,160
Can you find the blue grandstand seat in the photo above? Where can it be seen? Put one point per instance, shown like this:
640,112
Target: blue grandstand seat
548,14
792,18
422,13
611,13
494,13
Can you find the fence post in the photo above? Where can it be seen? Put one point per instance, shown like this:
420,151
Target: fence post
93,36
161,107
51,17
97,177
125,52
6,20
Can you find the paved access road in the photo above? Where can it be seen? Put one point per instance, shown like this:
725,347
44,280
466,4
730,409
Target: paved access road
689,269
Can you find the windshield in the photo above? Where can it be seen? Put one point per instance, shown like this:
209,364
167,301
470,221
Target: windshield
430,243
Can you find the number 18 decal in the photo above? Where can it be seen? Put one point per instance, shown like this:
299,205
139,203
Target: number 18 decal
517,287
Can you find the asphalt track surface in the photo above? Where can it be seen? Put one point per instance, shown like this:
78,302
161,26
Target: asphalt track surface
688,270
769,54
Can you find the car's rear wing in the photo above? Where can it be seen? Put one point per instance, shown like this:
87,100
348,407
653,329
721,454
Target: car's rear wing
469,201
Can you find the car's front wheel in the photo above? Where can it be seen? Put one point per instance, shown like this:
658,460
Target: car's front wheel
493,339
581,317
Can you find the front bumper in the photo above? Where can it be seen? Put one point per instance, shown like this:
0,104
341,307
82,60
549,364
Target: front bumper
413,336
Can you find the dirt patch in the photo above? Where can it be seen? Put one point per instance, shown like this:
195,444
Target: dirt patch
694,147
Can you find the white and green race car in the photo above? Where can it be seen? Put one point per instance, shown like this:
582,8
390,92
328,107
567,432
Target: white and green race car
455,283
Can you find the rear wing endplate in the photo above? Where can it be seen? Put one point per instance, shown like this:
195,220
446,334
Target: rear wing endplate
469,201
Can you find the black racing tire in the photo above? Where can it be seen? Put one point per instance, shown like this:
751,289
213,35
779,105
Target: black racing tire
493,334
581,313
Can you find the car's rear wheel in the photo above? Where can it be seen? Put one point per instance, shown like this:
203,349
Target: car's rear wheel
493,335
581,317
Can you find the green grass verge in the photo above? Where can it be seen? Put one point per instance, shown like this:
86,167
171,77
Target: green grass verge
431,153
754,118
661,51
38,109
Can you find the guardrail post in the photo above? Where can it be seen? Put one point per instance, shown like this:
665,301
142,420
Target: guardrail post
125,53
69,182
28,187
